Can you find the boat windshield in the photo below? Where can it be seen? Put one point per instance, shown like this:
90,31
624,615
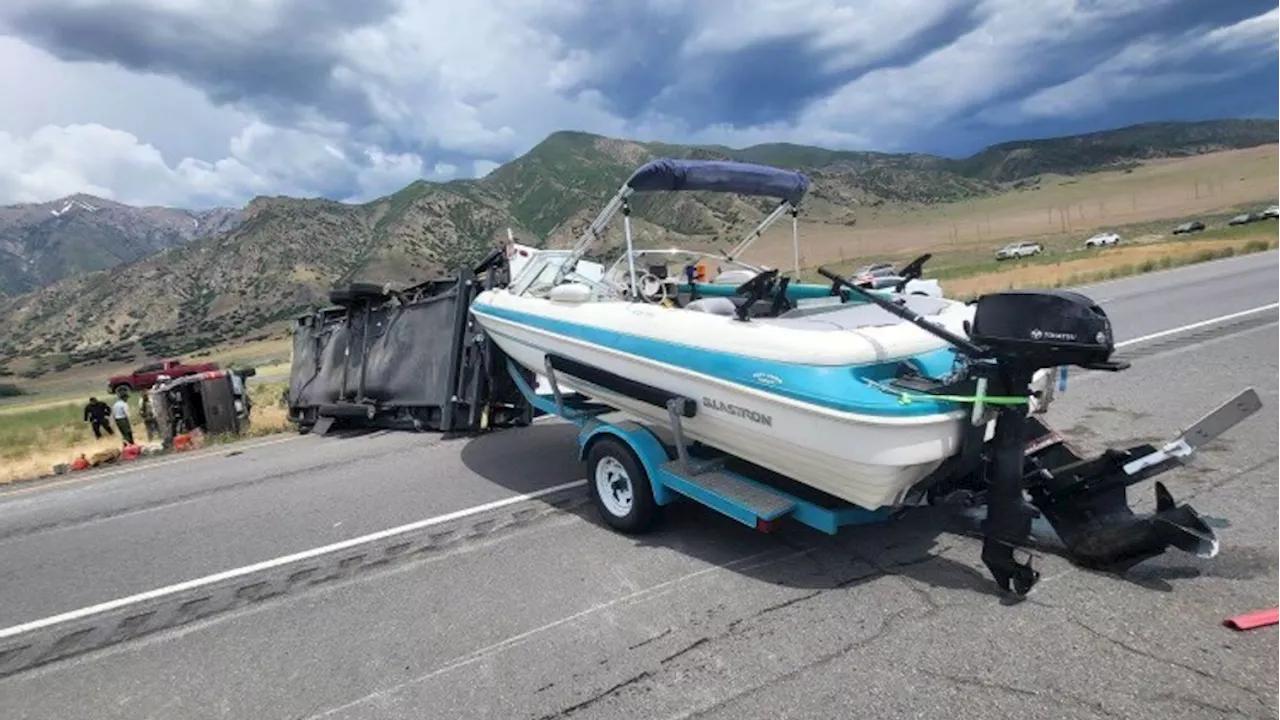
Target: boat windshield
676,264
539,275
671,266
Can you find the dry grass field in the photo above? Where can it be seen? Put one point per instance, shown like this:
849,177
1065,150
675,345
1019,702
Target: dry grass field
45,426
34,440
76,384
1066,208
1107,264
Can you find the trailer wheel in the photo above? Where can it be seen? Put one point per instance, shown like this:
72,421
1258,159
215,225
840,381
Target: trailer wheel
358,292
620,487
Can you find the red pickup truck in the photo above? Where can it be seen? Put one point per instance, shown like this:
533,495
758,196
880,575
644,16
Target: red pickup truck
145,376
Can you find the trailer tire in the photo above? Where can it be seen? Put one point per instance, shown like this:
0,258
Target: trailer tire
359,292
620,487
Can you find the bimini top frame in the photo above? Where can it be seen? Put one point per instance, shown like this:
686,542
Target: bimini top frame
669,174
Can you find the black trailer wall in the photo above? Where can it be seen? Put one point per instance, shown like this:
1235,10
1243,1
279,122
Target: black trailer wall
413,359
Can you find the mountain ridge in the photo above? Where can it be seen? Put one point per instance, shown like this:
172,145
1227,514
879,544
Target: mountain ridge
283,253
42,243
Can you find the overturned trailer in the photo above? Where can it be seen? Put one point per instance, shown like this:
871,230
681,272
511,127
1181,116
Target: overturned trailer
408,359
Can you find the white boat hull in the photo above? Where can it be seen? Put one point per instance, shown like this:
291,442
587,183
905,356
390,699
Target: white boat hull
871,461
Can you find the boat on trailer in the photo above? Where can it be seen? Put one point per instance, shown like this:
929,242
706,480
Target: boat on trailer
786,375
764,397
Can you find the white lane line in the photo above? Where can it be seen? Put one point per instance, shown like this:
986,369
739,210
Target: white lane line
1202,323
277,562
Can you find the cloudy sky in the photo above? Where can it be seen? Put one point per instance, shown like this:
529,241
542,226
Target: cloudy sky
205,102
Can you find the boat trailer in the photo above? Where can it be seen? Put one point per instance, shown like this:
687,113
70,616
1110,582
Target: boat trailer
1026,470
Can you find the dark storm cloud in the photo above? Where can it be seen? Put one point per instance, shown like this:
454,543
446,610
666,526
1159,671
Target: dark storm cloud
1245,93
275,70
639,50
765,82
773,81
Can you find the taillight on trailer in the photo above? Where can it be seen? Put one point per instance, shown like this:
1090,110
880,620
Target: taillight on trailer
767,525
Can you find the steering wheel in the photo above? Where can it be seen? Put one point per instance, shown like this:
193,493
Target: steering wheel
651,289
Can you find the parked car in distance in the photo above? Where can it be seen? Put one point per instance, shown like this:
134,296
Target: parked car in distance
879,269
143,377
1019,250
1247,218
1188,227
1101,239
1272,212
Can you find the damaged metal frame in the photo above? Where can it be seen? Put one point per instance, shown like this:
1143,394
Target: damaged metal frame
409,359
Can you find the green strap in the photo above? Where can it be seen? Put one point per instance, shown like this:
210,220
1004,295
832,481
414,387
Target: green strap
905,398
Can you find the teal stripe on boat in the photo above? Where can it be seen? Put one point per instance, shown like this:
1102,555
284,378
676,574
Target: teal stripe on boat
839,387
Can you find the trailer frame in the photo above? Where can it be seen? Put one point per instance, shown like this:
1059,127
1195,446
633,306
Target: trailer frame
673,469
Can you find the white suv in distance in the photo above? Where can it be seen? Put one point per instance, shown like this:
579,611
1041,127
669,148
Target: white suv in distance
1102,239
1018,250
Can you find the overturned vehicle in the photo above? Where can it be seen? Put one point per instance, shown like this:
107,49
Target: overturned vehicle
214,402
408,359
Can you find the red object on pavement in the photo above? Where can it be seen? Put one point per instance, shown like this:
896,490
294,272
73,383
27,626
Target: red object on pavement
1255,619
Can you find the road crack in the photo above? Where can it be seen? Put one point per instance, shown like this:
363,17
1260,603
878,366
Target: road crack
888,625
736,627
1048,693
655,638
1133,649
688,648
1200,703
566,712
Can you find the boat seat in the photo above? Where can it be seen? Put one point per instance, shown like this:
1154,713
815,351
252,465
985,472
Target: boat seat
713,305
571,293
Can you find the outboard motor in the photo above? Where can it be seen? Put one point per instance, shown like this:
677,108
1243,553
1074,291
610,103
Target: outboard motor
1042,329
1014,335
1084,501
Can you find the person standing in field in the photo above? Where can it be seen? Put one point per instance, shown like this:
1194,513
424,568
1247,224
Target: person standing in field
97,414
120,411
148,417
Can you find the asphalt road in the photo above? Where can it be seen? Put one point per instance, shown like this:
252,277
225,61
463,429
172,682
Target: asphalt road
90,539
1147,304
705,618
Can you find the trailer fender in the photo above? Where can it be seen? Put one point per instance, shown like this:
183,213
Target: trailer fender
648,449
